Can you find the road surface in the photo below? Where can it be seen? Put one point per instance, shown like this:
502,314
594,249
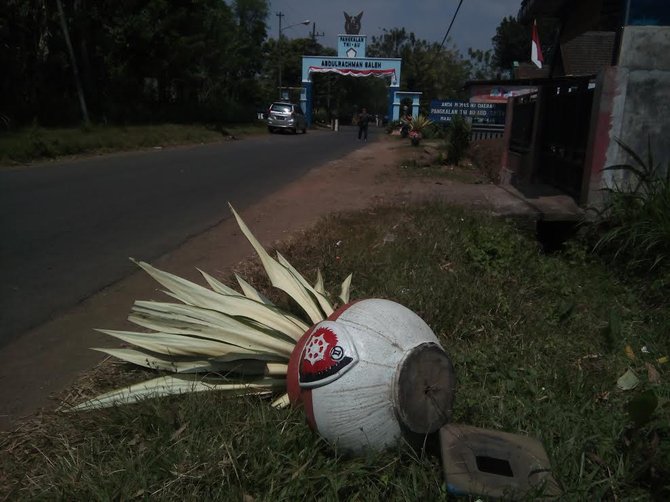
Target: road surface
67,228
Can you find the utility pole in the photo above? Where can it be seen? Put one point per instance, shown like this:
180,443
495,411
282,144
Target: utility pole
75,70
280,15
280,57
315,34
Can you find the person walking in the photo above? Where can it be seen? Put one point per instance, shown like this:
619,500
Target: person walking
363,121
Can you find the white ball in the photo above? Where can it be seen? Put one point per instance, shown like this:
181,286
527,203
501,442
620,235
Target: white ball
371,375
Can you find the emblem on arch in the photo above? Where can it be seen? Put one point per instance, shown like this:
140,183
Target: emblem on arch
327,355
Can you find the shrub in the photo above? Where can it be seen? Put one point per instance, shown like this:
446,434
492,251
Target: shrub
636,216
434,131
321,116
419,123
486,155
458,140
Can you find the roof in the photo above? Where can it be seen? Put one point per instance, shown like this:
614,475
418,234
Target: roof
531,81
588,53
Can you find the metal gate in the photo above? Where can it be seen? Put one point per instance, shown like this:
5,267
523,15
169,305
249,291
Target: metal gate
563,135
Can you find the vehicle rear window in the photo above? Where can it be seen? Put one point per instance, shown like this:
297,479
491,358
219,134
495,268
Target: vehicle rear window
280,108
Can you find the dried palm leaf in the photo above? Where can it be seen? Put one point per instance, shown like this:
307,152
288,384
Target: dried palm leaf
234,305
325,305
282,278
250,292
169,385
244,365
219,332
319,283
346,287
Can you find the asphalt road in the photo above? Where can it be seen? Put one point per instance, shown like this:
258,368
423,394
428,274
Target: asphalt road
67,228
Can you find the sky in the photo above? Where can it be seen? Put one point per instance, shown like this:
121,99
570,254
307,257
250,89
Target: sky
474,27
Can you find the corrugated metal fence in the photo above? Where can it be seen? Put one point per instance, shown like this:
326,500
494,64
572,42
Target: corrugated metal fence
486,131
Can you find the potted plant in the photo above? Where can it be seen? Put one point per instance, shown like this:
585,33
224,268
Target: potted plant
417,125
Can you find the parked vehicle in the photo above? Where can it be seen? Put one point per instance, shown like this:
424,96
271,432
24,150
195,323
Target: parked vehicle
286,116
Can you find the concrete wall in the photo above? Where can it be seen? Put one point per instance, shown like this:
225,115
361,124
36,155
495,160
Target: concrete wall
632,104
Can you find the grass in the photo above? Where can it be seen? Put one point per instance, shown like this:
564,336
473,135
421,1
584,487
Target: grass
39,143
538,343
430,160
413,168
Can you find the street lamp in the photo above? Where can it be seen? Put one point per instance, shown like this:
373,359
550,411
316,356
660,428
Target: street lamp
280,16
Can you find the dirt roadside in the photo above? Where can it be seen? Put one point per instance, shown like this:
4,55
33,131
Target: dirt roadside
47,359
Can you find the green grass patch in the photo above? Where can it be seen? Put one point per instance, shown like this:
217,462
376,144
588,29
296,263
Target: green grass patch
410,168
38,143
429,161
538,343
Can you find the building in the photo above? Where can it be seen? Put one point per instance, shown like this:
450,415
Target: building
609,81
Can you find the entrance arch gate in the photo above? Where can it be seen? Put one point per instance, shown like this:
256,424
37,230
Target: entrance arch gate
351,61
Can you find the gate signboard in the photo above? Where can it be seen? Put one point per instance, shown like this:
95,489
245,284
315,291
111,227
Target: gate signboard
351,60
477,113
351,46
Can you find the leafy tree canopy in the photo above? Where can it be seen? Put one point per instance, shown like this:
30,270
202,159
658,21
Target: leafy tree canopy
480,64
511,43
138,59
438,72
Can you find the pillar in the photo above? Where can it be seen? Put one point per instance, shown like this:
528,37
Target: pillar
394,104
415,105
306,101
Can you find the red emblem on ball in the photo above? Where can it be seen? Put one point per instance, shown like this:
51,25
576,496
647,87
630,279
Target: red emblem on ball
327,353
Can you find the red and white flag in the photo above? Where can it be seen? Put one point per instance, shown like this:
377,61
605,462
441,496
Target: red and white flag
536,48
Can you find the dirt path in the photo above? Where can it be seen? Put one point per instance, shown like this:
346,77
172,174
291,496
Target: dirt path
47,359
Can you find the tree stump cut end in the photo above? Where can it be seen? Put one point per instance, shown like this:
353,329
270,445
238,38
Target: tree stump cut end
424,389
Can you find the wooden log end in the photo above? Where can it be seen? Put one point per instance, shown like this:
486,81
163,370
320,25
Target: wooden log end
424,389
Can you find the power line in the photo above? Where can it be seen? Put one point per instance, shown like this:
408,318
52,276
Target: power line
451,24
439,49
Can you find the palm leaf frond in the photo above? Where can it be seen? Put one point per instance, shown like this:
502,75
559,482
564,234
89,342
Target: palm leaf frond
217,285
190,320
281,402
170,385
325,305
234,305
319,286
282,278
243,365
251,292
219,332
346,289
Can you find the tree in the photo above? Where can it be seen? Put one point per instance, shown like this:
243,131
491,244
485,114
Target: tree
389,44
511,43
140,60
438,72
248,47
480,64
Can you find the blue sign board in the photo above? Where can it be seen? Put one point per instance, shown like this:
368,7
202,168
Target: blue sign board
356,67
351,46
477,113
